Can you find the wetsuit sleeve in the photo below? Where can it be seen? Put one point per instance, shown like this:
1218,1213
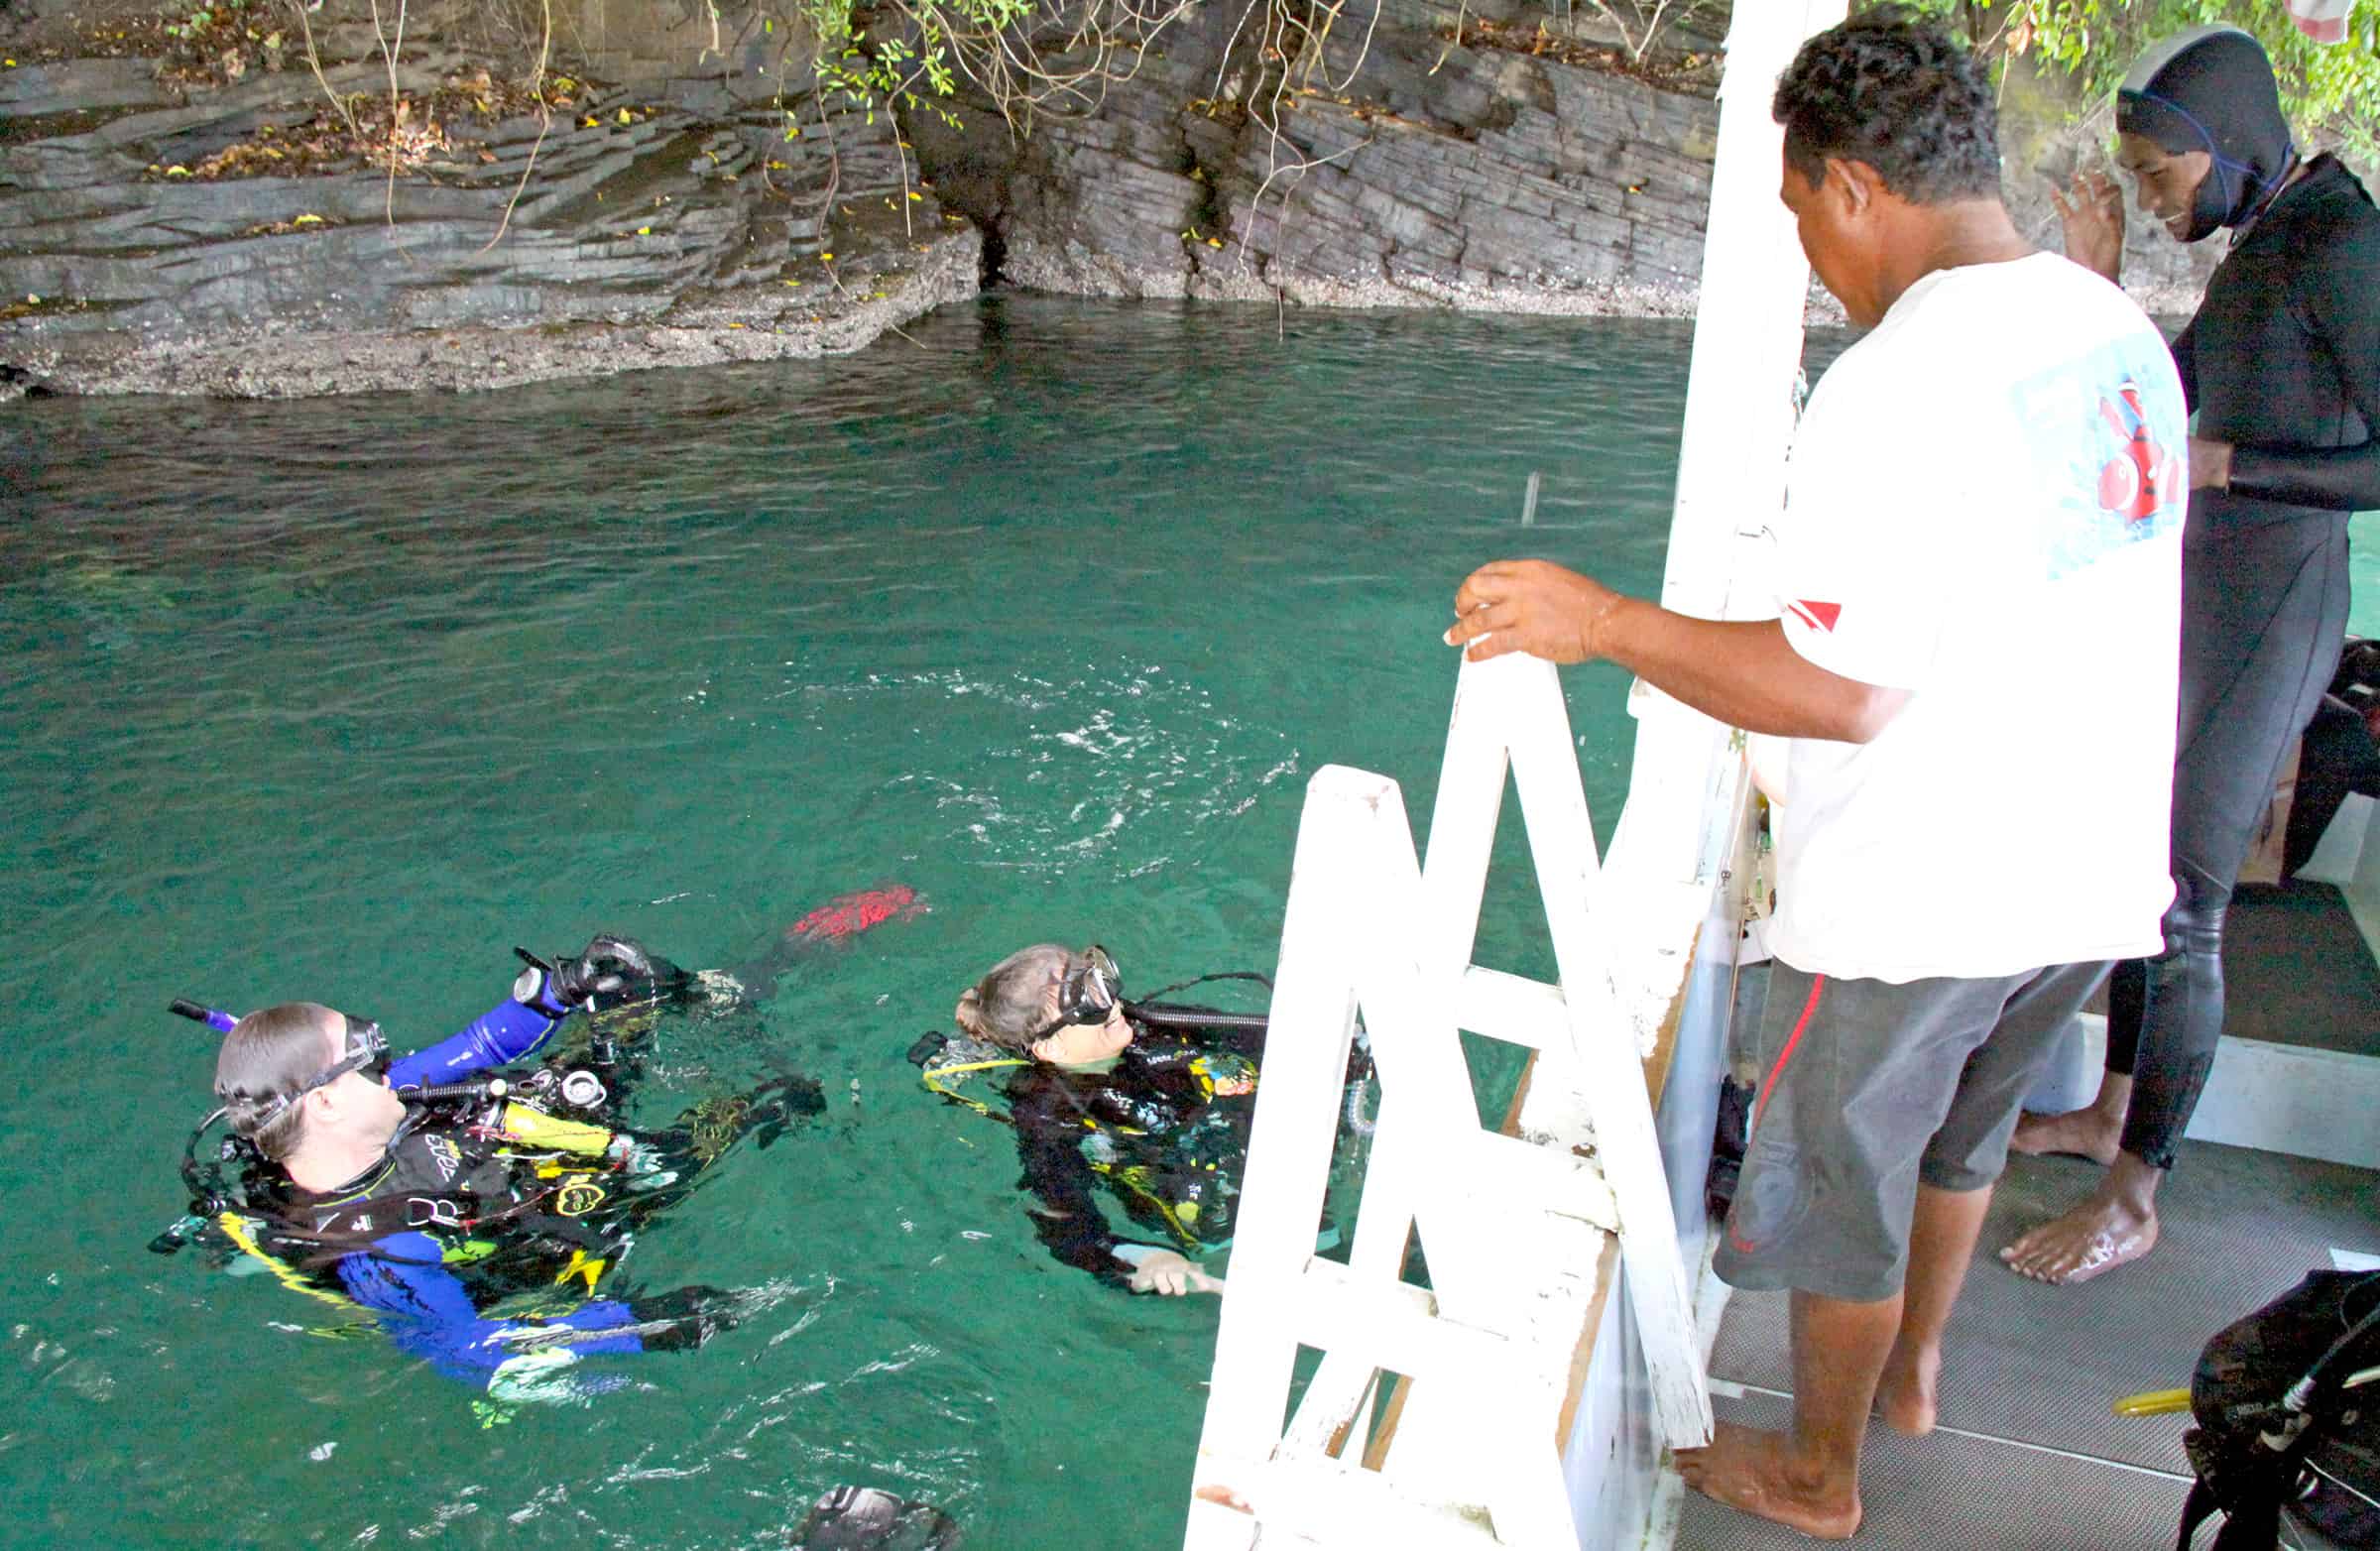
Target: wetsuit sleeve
2185,351
2338,300
429,1313
503,1035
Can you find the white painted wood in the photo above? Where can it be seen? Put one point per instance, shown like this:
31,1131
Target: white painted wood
1511,1007
1676,836
2308,1103
1514,1229
1331,1414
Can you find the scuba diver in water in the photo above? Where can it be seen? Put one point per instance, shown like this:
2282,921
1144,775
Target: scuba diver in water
1155,1098
2282,366
479,1217
869,1519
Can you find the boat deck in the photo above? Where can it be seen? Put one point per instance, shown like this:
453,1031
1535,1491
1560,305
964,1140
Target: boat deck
2028,1453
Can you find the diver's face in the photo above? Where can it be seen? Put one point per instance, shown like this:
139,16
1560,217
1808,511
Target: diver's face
2165,183
1083,1044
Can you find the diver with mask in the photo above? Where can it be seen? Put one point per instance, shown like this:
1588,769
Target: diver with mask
1151,1098
2282,365
480,1219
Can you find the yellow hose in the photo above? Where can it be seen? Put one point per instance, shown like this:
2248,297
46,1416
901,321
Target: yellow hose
2154,1403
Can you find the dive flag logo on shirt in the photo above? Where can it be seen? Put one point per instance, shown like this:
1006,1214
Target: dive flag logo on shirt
1816,615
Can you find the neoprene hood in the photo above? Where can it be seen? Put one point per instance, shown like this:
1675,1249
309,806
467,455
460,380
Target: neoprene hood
2211,90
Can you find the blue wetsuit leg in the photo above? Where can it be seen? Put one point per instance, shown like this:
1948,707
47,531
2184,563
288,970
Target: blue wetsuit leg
429,1313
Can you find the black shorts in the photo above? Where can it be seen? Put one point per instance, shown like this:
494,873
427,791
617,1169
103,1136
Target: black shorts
1871,1088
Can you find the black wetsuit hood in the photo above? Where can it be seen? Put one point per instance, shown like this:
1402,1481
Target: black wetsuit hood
2211,90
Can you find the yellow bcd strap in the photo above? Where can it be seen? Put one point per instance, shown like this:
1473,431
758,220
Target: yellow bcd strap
236,1227
932,1073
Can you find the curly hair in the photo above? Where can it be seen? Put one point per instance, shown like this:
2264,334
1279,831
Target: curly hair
1899,94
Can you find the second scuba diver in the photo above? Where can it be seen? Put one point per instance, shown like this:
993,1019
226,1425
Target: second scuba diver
1156,1099
478,1219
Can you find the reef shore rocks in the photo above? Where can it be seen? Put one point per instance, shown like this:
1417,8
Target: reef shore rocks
162,231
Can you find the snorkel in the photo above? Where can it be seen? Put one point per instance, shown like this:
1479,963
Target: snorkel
211,1193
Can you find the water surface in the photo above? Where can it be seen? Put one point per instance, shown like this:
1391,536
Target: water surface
1048,610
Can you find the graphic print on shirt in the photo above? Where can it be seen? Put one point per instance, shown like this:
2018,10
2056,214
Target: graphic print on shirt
2123,450
2142,477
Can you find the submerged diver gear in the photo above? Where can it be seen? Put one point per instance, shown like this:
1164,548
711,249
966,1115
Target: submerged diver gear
863,1518
946,1062
606,966
1161,1014
438,1093
2211,90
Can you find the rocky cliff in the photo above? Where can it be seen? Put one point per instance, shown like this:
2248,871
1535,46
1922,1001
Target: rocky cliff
343,214
248,236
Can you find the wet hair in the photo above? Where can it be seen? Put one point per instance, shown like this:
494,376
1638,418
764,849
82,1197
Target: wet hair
1011,1004
267,1056
1898,94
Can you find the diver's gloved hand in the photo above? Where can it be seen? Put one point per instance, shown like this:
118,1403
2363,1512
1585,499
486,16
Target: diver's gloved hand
607,963
693,1315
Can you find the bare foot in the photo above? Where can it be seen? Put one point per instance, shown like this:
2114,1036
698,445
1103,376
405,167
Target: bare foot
1905,1393
2079,1133
1753,1472
2091,1240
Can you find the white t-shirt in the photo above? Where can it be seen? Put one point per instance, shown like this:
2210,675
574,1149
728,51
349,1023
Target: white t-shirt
1985,508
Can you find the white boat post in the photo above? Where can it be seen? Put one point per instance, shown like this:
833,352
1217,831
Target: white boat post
1457,1415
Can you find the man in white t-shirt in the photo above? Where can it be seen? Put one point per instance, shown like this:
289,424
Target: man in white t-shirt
1973,663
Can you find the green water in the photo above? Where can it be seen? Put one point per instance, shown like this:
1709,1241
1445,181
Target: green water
1048,612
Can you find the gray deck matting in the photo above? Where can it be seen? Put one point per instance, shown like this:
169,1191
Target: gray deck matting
2041,1364
1951,1493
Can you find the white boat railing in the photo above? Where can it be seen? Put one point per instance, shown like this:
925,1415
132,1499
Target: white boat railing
1529,1407
1515,1228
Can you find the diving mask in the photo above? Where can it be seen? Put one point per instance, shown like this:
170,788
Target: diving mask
363,1048
1088,991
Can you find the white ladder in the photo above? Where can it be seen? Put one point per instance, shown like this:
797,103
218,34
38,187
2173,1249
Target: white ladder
1517,1230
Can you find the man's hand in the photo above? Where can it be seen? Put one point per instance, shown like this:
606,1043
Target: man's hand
1531,606
1163,1271
2209,465
2093,213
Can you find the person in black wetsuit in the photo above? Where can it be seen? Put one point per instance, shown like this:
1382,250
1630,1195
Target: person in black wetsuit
2282,364
1097,1087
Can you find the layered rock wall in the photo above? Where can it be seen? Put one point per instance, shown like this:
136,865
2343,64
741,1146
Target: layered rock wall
670,218
701,206
1385,164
